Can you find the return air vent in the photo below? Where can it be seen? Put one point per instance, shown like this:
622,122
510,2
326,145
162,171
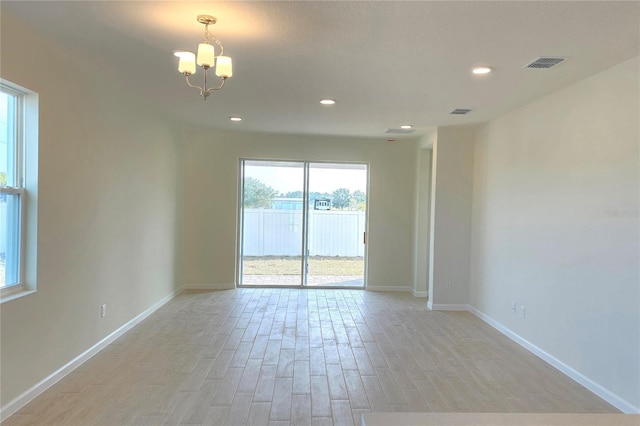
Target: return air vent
401,131
545,62
460,111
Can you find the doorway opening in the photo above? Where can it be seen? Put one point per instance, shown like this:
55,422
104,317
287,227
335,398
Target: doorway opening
302,224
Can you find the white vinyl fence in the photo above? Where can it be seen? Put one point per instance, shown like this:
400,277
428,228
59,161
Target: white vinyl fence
270,232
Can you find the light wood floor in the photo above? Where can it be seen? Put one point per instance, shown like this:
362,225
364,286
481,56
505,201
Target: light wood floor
284,356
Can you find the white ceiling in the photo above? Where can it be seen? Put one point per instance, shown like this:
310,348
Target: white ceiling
386,63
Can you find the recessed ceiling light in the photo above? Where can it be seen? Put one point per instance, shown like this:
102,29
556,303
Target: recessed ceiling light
481,70
406,126
327,101
235,118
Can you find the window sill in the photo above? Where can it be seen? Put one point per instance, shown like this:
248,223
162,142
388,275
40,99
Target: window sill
16,295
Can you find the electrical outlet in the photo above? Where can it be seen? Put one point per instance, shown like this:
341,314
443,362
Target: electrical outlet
103,311
514,307
522,311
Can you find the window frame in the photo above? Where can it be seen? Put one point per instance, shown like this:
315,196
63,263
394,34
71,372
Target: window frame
25,141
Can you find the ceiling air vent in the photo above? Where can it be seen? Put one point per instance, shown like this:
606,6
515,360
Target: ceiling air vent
460,111
545,62
401,131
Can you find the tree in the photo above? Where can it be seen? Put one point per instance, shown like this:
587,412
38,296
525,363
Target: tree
3,179
293,194
318,195
358,201
340,198
359,196
257,194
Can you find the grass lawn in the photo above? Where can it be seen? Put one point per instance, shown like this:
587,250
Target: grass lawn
290,265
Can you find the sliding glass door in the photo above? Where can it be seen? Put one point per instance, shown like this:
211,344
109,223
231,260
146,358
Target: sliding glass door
272,222
336,224
302,224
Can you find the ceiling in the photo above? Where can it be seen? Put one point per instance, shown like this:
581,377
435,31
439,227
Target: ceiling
385,63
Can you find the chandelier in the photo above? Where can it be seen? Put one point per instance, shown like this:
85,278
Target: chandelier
206,59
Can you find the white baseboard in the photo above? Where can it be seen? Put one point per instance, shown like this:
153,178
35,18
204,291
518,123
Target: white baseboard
208,286
594,387
447,307
419,293
388,288
56,376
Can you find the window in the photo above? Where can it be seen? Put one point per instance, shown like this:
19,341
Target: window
18,176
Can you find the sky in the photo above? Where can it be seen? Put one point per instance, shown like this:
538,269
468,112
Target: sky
288,176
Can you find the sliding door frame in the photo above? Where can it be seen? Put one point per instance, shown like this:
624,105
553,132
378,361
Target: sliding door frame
304,269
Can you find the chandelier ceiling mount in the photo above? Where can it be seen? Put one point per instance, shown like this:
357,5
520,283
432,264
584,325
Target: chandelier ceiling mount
207,19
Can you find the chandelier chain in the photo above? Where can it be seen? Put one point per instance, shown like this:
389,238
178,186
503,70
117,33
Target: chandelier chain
209,37
219,43
207,34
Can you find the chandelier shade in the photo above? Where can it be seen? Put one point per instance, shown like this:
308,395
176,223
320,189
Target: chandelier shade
187,62
206,55
224,68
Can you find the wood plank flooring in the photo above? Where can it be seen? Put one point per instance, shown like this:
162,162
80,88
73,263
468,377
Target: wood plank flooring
315,357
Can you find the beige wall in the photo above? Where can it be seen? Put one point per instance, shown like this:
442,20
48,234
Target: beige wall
211,191
107,211
547,178
451,183
422,217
